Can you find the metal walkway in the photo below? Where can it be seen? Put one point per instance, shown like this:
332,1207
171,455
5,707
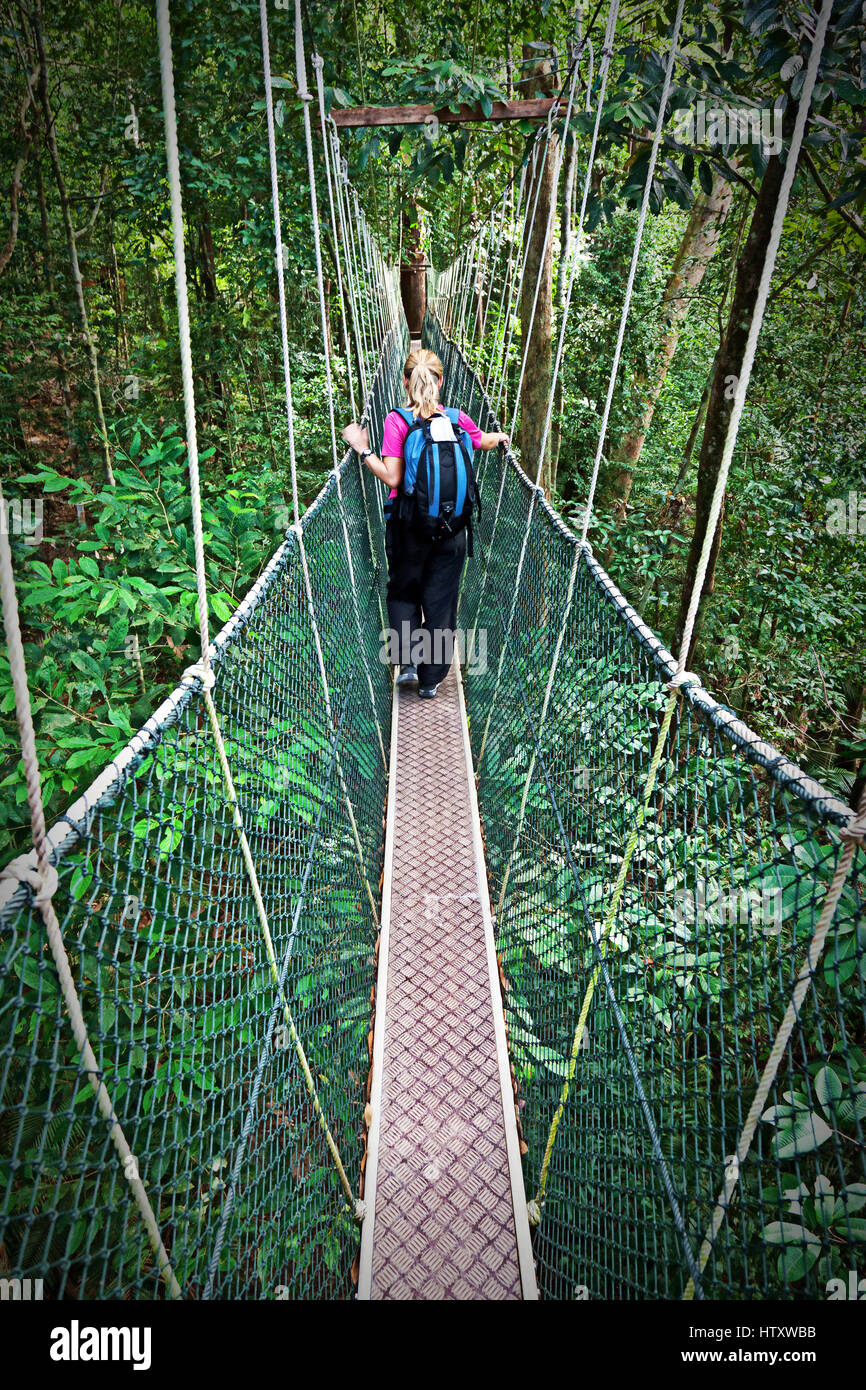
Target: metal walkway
444,1189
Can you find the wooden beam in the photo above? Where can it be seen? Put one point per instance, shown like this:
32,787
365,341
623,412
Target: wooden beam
353,116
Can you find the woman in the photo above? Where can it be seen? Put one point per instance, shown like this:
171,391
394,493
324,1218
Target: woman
424,570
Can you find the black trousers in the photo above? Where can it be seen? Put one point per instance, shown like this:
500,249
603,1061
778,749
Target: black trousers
423,585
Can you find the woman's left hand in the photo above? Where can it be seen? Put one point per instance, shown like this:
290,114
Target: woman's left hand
357,437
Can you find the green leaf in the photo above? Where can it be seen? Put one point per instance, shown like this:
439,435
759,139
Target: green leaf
853,1107
787,1233
806,1135
828,1087
550,1060
800,1248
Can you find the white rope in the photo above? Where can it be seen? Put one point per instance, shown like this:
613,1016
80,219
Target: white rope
548,693
290,418
609,33
548,233
307,98
505,299
620,339
42,879
354,296
505,270
537,157
607,54
362,275
173,162
854,832
166,68
318,66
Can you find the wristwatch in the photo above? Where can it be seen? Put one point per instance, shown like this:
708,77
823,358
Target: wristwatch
365,454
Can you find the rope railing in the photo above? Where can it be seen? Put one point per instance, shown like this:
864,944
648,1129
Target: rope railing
713,936
679,908
185,1020
195,865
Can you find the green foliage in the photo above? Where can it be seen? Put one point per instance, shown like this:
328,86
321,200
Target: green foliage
109,625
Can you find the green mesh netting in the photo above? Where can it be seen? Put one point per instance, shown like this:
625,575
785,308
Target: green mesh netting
167,955
719,907
721,900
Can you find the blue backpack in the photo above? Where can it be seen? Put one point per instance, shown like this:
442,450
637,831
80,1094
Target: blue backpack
438,493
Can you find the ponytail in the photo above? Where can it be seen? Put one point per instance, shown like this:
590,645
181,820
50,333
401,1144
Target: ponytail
424,370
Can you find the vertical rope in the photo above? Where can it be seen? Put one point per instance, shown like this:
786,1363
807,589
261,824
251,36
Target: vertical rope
318,65
306,98
44,884
298,529
203,670
816,947
351,269
607,54
173,165
641,222
548,232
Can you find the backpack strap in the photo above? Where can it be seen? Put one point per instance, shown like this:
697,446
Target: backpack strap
461,434
419,424
465,443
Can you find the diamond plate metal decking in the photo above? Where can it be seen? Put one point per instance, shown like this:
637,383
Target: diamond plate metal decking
444,1189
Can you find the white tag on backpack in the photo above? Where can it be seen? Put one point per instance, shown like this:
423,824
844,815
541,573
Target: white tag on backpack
441,429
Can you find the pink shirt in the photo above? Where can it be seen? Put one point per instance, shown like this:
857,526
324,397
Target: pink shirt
396,428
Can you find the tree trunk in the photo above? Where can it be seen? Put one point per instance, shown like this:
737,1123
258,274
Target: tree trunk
694,254
48,277
121,339
728,367
413,270
536,345
51,141
208,272
555,434
672,507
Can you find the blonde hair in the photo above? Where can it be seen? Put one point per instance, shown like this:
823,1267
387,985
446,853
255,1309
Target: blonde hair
423,370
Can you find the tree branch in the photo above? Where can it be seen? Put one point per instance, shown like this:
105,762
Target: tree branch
15,187
853,221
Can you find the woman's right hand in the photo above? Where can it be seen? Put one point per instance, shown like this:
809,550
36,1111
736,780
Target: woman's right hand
357,437
490,441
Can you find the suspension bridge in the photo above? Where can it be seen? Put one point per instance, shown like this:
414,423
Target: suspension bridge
552,988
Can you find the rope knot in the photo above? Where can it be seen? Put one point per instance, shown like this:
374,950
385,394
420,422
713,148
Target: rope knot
202,672
533,1212
42,884
360,1210
682,678
855,829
